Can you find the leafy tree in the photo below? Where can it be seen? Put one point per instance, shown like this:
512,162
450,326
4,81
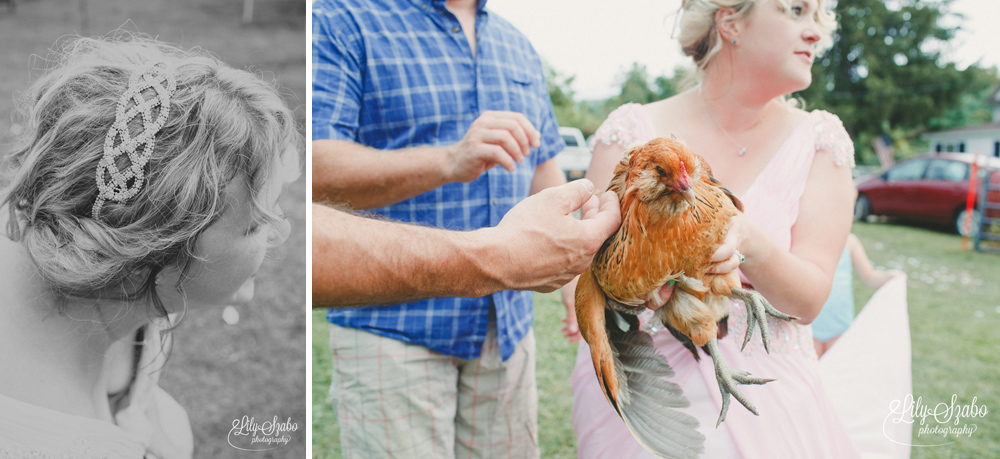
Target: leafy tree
637,87
884,73
587,115
570,112
562,95
974,106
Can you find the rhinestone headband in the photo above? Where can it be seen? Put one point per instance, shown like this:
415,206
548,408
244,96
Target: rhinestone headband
114,184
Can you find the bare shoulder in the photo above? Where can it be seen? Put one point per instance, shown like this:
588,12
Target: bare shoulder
674,112
790,116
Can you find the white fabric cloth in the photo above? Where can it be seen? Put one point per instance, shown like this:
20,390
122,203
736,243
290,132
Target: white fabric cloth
877,344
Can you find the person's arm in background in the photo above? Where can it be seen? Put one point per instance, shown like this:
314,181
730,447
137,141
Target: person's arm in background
547,175
363,178
538,246
872,277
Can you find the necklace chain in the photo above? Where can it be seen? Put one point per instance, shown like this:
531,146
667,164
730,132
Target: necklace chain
753,131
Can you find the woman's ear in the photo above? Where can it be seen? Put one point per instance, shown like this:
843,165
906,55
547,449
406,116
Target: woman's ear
725,21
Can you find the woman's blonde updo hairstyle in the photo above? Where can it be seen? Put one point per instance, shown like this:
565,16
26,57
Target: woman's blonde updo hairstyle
224,125
701,40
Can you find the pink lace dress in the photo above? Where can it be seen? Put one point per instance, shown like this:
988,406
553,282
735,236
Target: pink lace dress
797,418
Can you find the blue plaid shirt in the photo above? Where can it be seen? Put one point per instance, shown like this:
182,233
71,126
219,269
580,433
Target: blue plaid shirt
393,74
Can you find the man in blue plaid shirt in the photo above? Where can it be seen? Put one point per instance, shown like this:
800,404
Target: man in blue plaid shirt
415,104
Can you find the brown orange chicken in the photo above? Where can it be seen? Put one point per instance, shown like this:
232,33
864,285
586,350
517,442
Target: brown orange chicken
675,216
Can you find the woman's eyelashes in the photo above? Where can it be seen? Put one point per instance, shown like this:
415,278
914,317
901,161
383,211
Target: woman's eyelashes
801,9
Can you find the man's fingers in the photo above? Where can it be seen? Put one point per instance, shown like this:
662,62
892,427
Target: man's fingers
506,140
570,196
596,205
590,207
522,134
500,156
607,219
534,137
610,201
517,124
515,130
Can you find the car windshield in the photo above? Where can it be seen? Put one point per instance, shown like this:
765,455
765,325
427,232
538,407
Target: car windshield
910,170
570,141
951,171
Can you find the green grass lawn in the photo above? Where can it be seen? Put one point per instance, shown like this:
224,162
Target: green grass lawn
218,372
954,303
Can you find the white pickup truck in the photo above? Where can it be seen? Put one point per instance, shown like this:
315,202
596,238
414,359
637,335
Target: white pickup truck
575,158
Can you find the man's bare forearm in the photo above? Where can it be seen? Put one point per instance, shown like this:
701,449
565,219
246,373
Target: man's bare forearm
366,178
360,261
537,246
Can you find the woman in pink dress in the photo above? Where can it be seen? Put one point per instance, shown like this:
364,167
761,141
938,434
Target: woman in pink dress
792,170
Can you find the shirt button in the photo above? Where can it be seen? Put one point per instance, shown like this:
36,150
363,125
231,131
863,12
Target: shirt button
456,29
423,7
495,202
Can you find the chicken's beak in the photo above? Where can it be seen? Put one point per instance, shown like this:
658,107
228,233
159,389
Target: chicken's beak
688,193
684,185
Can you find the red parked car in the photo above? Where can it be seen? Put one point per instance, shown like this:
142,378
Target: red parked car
931,188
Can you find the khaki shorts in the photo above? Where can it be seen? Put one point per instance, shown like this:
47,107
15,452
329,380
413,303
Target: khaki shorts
395,399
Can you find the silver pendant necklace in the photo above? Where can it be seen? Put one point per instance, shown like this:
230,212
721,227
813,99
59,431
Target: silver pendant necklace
743,148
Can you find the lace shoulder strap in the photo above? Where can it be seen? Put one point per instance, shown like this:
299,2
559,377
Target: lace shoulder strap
833,138
625,126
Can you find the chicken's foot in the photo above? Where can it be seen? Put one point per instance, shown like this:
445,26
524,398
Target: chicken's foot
728,379
757,310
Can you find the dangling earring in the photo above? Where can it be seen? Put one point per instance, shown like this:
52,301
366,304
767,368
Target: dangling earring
733,42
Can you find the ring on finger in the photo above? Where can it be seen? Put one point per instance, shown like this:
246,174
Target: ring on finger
740,256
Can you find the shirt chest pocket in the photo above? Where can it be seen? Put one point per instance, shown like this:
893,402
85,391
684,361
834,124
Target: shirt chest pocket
521,94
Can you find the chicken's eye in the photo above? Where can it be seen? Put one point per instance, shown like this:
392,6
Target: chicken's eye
661,171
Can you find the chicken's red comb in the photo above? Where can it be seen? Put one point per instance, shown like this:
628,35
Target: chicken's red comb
684,180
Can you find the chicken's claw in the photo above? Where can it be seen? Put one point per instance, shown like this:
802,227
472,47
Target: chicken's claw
757,306
728,379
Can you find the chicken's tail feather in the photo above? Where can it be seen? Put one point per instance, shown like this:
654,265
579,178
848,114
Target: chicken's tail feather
632,374
590,307
650,402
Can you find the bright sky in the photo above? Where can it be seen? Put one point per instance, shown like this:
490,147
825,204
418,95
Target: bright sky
597,40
